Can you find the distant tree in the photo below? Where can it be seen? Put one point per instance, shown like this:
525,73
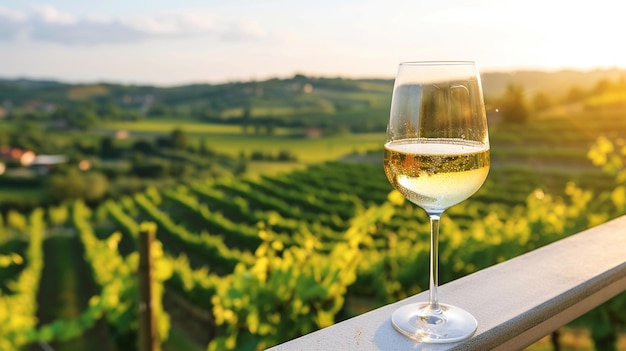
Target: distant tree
82,117
603,87
152,169
73,184
65,186
143,146
286,155
17,114
85,119
5,138
107,147
242,156
110,111
163,142
29,137
300,77
178,139
97,186
259,156
247,114
513,105
158,110
82,147
575,94
204,148
210,114
241,168
246,118
542,101
132,116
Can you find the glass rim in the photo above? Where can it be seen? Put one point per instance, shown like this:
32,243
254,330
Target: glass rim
437,63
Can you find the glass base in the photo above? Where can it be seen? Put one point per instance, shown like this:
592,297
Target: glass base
450,324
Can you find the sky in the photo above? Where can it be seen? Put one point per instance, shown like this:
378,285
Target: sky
191,41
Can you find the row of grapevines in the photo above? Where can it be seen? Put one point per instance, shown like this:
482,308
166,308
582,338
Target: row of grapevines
116,276
18,306
305,189
287,292
197,285
608,321
307,201
263,202
235,235
366,180
210,247
237,209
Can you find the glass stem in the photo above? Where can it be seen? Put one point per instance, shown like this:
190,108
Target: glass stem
433,301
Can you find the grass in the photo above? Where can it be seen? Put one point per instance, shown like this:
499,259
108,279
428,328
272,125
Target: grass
230,139
63,292
166,125
307,150
179,340
256,168
20,193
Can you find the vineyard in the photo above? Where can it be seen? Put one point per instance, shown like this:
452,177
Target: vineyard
248,262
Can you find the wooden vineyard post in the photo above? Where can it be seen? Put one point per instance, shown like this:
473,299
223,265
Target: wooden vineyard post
148,338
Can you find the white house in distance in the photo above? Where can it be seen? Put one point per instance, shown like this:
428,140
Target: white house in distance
44,163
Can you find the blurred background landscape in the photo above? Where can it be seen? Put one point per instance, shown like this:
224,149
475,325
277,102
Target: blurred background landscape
251,134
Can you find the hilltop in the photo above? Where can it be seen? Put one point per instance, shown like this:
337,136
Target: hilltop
556,84
299,101
494,83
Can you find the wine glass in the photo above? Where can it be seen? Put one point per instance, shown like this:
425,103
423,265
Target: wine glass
436,155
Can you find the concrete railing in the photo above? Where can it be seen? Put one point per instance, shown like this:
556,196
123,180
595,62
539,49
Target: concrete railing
516,302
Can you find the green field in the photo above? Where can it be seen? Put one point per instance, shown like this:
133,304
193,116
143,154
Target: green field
20,193
167,125
231,140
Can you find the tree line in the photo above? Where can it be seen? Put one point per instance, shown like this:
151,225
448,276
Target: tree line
517,106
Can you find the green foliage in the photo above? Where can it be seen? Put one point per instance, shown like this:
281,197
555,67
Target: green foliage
266,259
178,139
58,215
116,275
18,308
74,184
609,320
78,116
288,292
203,244
611,156
297,268
7,260
542,101
513,105
2,229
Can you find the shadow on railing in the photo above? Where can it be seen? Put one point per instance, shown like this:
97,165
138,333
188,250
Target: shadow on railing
516,302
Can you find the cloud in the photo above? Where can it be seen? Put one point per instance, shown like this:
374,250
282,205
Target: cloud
47,24
10,23
50,15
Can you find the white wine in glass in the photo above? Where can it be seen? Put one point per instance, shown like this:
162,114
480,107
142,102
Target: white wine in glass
436,155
